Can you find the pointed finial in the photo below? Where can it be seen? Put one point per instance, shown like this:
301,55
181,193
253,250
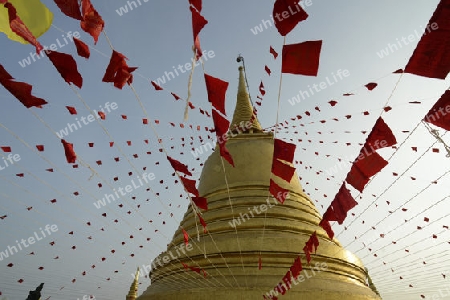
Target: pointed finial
36,295
243,112
136,277
132,294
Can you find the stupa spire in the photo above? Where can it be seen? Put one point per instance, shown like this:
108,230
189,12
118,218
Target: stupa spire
132,294
244,109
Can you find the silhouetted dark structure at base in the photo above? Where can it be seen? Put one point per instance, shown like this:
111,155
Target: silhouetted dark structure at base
35,295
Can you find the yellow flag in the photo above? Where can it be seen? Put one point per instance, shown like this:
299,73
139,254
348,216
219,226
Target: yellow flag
35,15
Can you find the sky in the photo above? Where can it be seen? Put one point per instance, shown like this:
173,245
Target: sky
106,244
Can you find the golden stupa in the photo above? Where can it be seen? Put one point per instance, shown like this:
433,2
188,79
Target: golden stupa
229,255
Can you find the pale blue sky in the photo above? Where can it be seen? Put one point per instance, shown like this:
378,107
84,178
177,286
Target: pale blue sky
157,36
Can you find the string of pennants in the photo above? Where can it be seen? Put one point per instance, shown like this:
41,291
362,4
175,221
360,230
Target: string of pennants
435,115
431,59
99,162
117,72
293,62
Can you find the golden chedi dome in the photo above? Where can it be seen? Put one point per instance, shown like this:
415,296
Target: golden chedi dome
240,232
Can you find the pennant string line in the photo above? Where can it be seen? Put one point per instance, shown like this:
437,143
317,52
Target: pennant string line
274,136
78,184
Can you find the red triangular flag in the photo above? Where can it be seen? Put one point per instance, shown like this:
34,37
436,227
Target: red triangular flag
69,152
66,66
201,202
283,150
189,185
175,96
261,89
431,58
371,85
156,86
342,203
118,70
117,61
6,149
124,76
221,126
186,237
287,280
332,102
203,223
302,58
82,48
381,136
92,22
226,154
198,22
282,170
439,114
178,166
278,192
296,267
273,52
70,8
216,89
365,168
71,110
287,14
310,246
20,90
325,224
315,241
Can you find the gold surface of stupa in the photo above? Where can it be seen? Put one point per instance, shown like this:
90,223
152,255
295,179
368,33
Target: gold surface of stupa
229,254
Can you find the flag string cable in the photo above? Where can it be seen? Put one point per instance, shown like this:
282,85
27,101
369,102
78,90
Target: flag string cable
406,202
270,175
